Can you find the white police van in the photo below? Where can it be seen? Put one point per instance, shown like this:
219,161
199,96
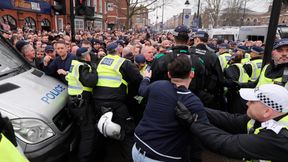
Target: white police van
36,105
224,33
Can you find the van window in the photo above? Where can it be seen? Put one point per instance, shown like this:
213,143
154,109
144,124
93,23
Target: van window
10,63
223,37
255,37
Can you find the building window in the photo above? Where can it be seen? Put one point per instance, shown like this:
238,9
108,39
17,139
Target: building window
30,23
255,21
45,25
45,22
60,24
138,20
9,20
100,6
79,24
88,3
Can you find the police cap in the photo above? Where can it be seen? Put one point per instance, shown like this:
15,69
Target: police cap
242,48
280,43
181,30
112,46
223,46
258,50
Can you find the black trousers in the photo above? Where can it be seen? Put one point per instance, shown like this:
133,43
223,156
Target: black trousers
84,117
122,117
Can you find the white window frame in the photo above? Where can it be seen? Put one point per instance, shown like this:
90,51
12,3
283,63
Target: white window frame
60,24
100,6
79,24
88,3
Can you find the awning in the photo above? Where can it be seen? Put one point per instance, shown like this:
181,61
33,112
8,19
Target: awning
39,6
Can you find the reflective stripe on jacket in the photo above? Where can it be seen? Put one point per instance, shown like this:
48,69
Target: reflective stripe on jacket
282,122
75,87
224,59
108,72
264,80
246,58
256,69
243,76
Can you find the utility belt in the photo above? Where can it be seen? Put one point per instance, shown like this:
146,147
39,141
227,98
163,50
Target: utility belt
77,100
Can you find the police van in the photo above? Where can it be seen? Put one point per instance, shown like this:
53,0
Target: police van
36,106
253,33
225,33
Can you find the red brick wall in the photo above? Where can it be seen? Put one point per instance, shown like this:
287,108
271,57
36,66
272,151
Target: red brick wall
21,15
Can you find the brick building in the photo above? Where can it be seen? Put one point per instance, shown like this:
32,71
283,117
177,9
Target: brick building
94,21
116,14
38,15
28,14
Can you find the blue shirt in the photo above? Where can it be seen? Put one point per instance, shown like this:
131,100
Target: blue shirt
58,63
159,128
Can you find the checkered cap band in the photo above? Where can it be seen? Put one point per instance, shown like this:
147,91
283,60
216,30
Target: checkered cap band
267,101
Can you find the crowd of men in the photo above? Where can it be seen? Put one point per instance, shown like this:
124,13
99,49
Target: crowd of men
156,94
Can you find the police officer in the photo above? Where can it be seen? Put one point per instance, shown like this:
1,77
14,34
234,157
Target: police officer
160,64
254,66
213,83
114,76
276,71
224,56
8,144
262,133
235,74
235,71
81,78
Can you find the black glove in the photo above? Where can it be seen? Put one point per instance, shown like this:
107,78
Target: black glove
7,129
233,85
184,115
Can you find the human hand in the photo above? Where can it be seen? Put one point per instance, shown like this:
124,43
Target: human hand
184,115
61,72
46,60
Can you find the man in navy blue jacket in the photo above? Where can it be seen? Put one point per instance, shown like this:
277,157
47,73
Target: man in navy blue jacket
60,66
159,135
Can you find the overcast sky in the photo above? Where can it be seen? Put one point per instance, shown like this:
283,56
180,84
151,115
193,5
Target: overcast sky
175,7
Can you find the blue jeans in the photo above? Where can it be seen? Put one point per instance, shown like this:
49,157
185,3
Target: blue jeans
138,157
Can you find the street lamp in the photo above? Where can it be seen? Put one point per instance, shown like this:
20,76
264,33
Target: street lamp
198,8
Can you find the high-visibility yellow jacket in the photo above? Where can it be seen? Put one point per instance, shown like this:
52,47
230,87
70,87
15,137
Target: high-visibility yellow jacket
75,87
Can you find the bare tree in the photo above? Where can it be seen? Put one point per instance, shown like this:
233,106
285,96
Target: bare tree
214,6
138,7
233,14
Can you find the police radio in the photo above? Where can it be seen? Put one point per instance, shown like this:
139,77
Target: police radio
285,78
285,75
